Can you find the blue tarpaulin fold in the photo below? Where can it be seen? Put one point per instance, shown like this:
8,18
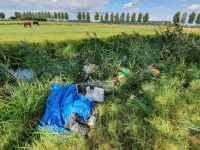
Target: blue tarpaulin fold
61,104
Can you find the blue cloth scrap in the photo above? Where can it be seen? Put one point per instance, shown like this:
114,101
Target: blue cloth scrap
61,104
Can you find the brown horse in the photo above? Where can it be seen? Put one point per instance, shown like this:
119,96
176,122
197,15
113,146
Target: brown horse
35,22
27,23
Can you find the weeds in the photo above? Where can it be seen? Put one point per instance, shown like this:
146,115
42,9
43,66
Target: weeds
166,117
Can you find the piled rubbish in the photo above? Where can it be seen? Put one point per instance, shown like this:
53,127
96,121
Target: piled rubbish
67,111
24,74
95,89
121,74
61,105
70,110
77,125
151,69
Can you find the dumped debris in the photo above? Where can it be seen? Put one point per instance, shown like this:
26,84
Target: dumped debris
91,68
147,88
122,73
93,117
132,97
96,89
77,125
24,74
61,104
97,94
153,70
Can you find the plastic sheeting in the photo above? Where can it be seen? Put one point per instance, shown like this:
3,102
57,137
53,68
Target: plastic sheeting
61,104
24,74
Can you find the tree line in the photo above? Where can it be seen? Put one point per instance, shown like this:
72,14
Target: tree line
40,16
115,17
182,19
83,16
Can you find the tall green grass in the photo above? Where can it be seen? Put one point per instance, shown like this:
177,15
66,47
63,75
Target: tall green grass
166,117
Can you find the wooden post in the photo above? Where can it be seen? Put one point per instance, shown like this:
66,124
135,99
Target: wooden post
30,30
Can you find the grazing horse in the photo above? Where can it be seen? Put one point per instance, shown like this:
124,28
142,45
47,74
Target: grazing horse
27,23
35,22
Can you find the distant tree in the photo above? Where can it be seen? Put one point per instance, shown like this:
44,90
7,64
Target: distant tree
55,15
111,17
127,17
176,18
133,19
192,16
122,18
45,15
48,15
66,16
117,17
106,17
197,21
88,16
33,15
29,15
101,18
58,15
36,16
183,18
96,16
42,15
62,15
146,18
52,16
83,15
23,16
2,15
139,17
39,16
79,16
19,15
16,14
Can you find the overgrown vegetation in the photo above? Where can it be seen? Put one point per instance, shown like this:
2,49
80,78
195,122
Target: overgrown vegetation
166,117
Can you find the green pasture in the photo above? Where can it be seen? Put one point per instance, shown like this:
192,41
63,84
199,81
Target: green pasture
54,33
14,31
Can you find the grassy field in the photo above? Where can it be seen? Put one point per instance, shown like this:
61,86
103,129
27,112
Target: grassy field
62,31
164,115
66,31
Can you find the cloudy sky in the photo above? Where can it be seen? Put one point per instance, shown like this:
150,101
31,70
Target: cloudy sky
157,9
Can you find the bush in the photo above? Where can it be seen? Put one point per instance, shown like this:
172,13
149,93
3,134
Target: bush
12,17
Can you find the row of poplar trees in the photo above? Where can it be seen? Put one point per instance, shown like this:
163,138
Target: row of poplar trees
182,19
115,18
41,15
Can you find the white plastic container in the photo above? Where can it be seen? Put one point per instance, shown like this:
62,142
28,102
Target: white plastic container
97,94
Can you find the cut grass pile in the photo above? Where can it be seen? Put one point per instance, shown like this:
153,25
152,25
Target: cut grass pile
166,117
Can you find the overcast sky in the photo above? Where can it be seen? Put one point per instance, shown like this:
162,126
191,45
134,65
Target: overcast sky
157,9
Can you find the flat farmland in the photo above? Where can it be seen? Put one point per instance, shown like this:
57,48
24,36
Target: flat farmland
14,31
64,31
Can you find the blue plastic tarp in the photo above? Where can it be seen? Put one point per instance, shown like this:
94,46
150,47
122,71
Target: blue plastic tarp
61,104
